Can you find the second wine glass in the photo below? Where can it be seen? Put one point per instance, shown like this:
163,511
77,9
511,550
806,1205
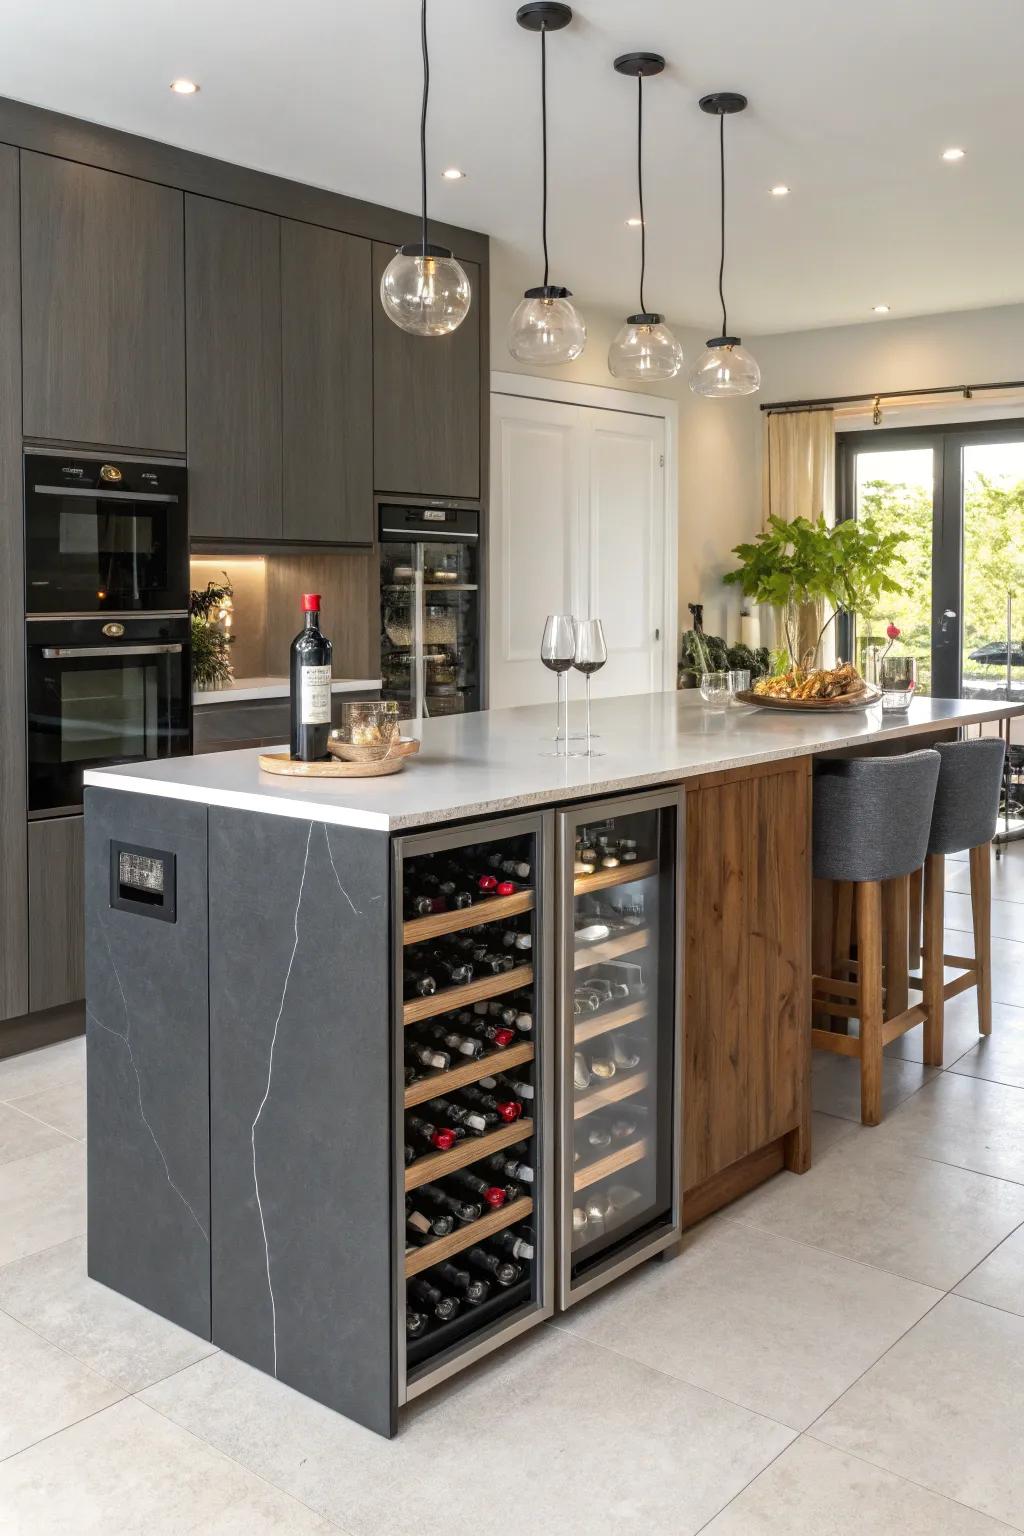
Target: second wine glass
557,651
591,655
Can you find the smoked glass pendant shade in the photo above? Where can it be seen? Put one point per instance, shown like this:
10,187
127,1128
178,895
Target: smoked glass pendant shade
425,291
645,350
725,369
546,328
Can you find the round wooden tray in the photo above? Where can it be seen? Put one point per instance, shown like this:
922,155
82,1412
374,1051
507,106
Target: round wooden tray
280,762
867,696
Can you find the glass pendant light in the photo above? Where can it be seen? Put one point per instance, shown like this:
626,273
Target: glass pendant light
423,289
644,349
726,367
545,327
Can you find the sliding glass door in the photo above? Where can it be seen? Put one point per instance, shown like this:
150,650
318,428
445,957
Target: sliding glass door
957,493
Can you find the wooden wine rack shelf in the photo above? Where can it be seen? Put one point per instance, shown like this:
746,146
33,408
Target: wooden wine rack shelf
602,879
450,998
473,1149
464,1237
612,1093
611,949
613,1163
458,1077
595,1024
486,911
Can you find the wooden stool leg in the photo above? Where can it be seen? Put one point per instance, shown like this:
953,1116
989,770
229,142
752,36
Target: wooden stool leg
896,916
869,953
981,913
932,972
916,899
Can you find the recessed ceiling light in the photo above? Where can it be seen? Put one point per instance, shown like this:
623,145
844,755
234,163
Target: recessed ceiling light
779,191
880,309
634,223
953,154
452,173
184,87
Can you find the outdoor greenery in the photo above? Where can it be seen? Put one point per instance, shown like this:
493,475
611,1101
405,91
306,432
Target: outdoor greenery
993,564
850,568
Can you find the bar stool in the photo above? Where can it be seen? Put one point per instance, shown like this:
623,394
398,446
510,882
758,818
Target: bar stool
872,818
963,820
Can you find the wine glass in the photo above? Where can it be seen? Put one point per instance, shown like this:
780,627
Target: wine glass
557,649
591,655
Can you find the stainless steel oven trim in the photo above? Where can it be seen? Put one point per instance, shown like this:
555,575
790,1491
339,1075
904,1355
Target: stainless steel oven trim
55,652
94,494
108,613
665,1236
500,1332
30,450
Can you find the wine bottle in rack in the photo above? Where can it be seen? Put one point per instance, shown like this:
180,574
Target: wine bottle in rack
516,1243
443,1307
507,1110
465,1116
490,1194
418,982
511,1165
417,905
438,1061
518,939
503,1271
515,1085
437,1138
427,1223
416,1323
463,1210
472,1290
463,1045
454,973
498,1034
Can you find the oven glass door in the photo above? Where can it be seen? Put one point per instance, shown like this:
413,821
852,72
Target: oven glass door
89,709
104,552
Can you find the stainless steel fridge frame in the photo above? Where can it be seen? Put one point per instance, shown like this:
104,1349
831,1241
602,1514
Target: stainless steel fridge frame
464,1353
649,1243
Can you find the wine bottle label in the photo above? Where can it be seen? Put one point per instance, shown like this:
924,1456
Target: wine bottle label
315,695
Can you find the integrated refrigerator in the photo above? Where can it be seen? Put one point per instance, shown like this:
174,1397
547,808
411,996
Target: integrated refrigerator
430,611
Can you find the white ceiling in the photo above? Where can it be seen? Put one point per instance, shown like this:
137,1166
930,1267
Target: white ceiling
851,105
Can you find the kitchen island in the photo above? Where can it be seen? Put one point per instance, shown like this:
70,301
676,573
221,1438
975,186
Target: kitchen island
279,1121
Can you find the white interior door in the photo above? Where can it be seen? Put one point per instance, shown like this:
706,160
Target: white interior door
577,526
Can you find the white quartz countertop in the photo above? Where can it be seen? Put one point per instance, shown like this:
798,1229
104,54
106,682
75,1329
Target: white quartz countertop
494,761
241,689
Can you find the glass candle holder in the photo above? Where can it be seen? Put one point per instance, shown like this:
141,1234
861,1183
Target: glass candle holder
897,679
368,730
714,689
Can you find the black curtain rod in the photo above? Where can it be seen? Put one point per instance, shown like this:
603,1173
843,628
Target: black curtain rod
966,390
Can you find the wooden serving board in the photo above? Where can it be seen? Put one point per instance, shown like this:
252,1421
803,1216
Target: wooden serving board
280,762
860,700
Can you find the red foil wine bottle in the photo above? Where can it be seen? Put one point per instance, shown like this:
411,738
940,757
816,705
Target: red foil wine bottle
310,678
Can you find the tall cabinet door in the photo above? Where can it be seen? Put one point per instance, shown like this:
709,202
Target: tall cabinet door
426,401
103,306
233,320
327,355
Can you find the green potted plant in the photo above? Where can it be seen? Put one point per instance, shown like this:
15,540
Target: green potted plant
211,662
849,567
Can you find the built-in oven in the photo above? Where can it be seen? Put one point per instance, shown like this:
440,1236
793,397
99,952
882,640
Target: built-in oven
103,690
104,535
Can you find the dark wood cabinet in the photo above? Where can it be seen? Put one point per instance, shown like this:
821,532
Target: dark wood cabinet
426,394
103,307
56,908
327,358
233,329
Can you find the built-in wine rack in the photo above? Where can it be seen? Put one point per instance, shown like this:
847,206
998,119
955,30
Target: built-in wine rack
473,1023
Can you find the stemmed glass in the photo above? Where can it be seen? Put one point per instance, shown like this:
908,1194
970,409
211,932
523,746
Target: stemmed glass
591,655
557,650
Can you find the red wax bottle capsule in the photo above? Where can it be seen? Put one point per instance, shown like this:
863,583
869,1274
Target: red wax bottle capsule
487,883
505,888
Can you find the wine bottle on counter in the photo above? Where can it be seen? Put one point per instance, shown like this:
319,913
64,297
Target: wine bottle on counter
443,1307
310,680
472,1291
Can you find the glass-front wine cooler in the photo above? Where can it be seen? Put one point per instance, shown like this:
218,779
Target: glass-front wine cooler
473,1157
620,1037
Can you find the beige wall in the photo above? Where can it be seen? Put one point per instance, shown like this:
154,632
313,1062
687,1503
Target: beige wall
719,491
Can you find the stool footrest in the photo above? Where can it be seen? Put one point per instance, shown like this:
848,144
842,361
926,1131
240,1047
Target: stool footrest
893,1028
832,984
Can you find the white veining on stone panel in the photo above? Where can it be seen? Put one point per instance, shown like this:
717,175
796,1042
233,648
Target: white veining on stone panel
125,1040
341,888
266,1092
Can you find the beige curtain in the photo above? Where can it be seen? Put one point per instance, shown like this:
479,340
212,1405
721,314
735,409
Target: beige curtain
799,480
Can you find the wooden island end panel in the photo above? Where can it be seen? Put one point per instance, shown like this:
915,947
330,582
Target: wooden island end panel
747,986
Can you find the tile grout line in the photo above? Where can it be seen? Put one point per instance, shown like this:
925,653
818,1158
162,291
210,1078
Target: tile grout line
36,1120
76,1237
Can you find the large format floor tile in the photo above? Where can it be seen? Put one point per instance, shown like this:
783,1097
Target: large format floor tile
48,1067
42,1200
999,1280
22,1136
42,1390
131,1472
835,1083
962,1120
62,1106
999,1057
590,1442
945,1408
903,1213
814,1490
1006,918
52,1294
1007,875
766,1322
959,1033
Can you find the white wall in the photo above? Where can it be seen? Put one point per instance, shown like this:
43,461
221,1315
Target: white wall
719,484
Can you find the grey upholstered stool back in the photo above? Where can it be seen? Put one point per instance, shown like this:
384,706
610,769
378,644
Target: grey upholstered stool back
872,815
967,797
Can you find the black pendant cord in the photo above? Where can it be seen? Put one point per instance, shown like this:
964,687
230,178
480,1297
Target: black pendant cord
423,125
544,145
721,263
640,184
